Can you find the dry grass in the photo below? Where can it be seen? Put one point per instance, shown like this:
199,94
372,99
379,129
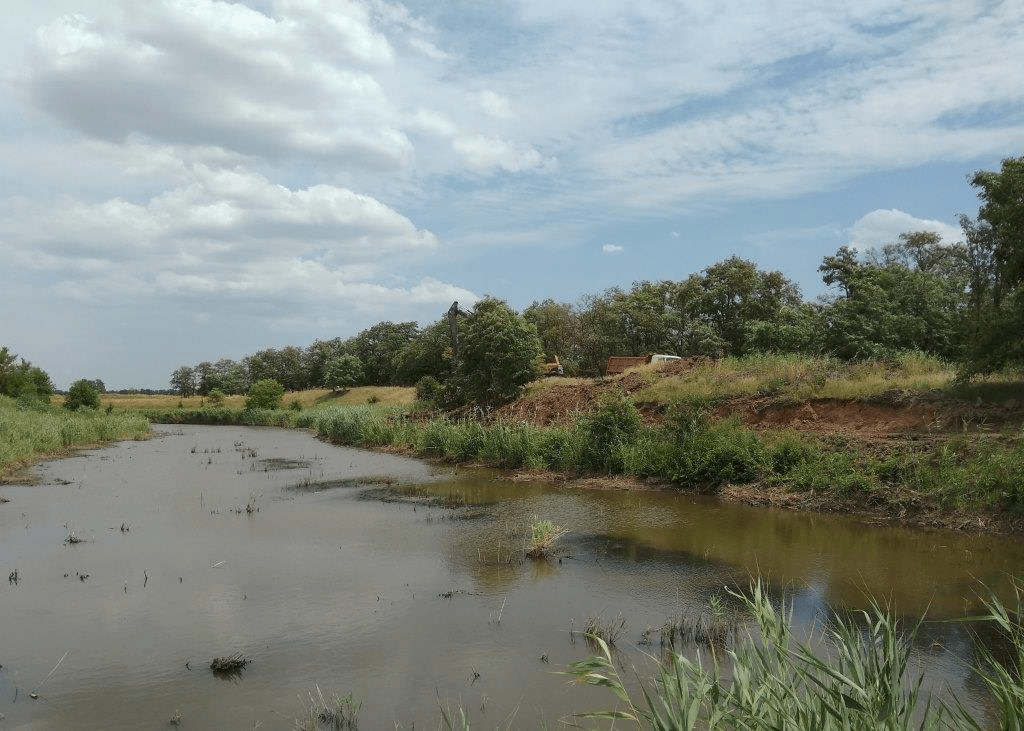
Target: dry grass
800,377
386,395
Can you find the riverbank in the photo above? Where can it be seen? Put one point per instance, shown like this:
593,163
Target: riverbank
30,432
891,441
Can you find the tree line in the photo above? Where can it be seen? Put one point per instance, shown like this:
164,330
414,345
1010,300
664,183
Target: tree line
960,301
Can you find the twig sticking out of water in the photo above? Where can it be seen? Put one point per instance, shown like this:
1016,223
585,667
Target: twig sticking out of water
13,577
35,694
497,619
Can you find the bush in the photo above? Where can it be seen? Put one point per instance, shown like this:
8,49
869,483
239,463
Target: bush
82,394
615,424
429,390
266,393
216,397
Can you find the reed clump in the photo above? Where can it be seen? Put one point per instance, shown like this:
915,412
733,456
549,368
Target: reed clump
335,712
543,536
862,679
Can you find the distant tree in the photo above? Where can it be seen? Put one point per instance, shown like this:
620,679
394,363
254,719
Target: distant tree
342,372
316,357
183,381
499,354
379,349
427,354
22,379
82,394
909,295
216,397
286,366
266,393
97,383
730,297
558,327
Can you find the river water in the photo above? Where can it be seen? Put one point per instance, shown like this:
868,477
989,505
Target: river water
400,583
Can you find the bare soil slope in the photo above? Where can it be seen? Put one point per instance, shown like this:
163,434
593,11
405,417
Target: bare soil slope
895,413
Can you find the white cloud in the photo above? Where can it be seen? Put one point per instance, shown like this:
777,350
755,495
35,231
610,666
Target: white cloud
883,226
612,248
491,152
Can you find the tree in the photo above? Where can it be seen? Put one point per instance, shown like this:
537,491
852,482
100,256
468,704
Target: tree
995,244
428,354
266,393
499,354
82,394
342,372
19,379
378,348
183,380
558,327
910,295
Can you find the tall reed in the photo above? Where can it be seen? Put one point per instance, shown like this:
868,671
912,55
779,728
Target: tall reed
28,432
860,680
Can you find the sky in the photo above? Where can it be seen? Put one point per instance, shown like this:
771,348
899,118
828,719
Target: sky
186,180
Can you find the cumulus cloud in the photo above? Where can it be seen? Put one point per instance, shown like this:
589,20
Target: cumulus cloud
209,73
227,234
883,226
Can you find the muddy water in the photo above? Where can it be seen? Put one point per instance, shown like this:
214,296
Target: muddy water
400,583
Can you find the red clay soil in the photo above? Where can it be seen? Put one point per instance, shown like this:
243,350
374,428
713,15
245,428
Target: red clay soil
892,414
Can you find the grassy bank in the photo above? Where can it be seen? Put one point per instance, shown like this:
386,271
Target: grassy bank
975,474
29,432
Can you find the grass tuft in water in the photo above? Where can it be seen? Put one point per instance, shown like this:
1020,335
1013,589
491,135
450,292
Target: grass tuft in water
543,535
334,713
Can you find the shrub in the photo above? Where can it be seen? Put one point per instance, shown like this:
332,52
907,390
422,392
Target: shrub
615,424
82,394
216,397
429,390
266,393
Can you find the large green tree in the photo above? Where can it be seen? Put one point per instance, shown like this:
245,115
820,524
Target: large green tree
909,295
379,348
995,242
499,353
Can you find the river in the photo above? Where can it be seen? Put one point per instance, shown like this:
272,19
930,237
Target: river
401,583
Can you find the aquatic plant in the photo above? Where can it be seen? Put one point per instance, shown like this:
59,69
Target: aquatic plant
543,535
860,680
335,713
229,664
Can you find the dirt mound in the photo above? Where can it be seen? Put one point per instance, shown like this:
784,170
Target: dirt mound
892,414
560,403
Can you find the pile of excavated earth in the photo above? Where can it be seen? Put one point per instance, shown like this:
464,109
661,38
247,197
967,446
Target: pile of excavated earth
892,414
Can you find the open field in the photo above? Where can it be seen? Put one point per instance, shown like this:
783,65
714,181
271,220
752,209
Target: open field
386,395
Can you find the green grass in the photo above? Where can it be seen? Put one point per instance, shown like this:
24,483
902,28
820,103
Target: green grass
861,679
30,432
697,452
